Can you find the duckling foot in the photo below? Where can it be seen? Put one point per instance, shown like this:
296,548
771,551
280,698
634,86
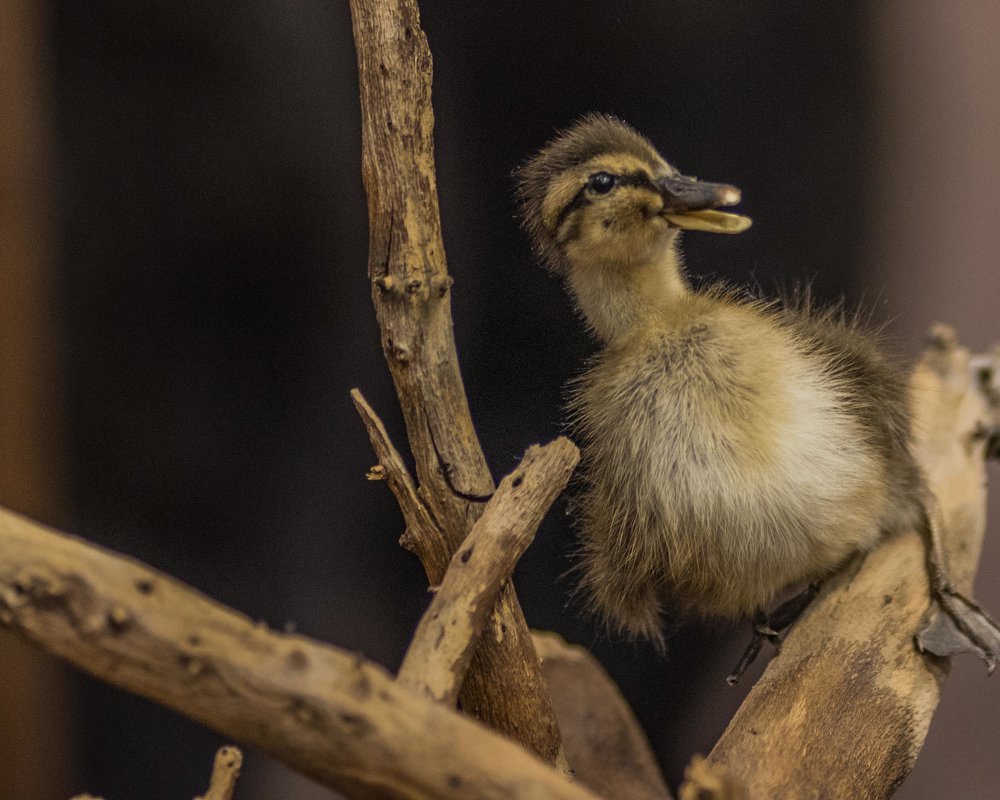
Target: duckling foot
954,624
767,628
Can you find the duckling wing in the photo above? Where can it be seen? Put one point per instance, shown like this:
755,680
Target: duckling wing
877,396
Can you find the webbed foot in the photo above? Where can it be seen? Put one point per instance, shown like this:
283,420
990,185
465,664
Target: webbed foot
954,624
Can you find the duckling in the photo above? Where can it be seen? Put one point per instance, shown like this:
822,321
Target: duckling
731,448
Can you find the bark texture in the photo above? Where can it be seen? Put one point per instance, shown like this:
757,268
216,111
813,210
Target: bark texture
327,713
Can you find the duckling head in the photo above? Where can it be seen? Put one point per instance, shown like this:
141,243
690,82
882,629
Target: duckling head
599,191
604,208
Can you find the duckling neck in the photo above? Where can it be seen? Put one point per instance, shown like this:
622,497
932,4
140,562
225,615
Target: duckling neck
617,298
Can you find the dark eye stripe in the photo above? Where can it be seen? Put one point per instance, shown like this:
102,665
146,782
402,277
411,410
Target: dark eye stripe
581,199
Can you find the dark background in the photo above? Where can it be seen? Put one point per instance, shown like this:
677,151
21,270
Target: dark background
214,312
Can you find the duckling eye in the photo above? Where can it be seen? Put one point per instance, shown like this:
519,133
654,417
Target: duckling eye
601,182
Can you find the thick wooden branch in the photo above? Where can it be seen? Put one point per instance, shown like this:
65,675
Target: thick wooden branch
604,743
441,649
847,703
411,293
327,713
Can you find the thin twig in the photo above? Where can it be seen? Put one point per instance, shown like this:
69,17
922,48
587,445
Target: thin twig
422,536
441,649
225,771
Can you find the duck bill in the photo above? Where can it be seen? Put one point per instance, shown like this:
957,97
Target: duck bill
693,205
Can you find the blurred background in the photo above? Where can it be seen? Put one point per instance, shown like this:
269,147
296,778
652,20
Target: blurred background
184,305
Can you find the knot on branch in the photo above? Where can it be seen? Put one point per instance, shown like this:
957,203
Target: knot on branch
39,589
414,288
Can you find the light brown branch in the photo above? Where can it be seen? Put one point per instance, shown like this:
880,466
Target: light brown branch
329,714
422,536
847,703
442,646
411,293
225,771
604,743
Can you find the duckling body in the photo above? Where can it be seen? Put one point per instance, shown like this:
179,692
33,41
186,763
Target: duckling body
730,448
724,460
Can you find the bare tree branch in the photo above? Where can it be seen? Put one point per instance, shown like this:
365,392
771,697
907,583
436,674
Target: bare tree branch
847,703
410,289
329,714
441,649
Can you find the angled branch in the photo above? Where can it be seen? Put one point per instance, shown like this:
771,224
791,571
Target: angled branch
422,536
411,293
604,743
849,686
406,262
441,649
329,714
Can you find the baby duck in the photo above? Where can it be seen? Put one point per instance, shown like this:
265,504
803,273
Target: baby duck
731,448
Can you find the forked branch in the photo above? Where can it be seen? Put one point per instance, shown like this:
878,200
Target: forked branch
442,646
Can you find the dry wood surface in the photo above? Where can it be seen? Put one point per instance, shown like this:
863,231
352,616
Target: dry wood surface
330,714
440,651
